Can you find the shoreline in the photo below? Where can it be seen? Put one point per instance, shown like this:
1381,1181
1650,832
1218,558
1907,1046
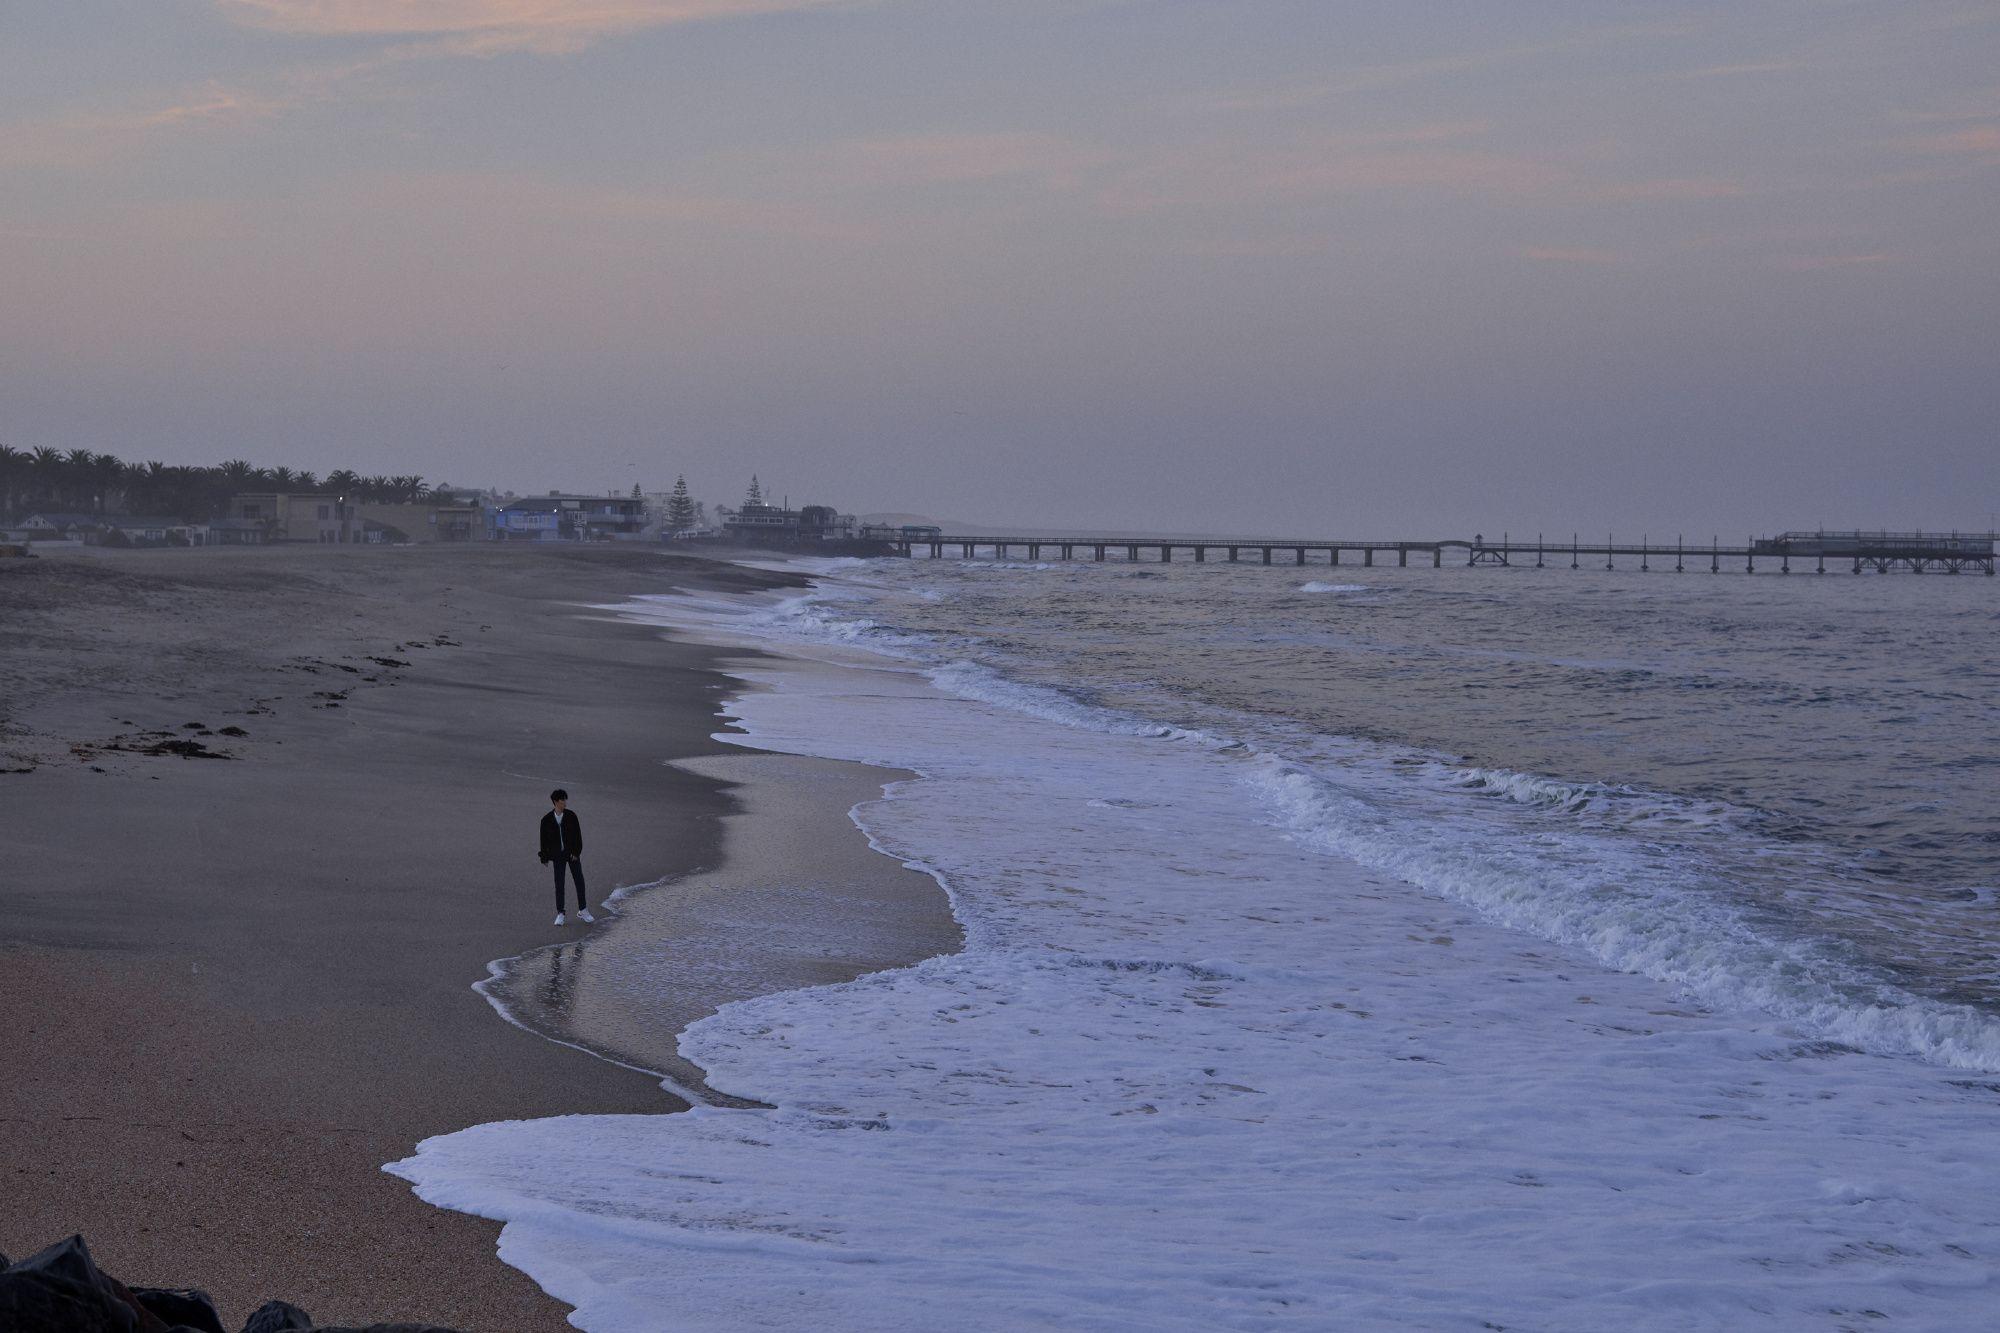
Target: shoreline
259,973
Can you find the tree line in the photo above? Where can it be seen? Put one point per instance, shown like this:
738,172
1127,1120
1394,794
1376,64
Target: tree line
80,481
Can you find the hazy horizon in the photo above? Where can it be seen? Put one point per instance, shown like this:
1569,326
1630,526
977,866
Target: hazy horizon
1360,269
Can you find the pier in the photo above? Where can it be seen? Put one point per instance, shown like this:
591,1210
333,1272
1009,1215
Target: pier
1856,552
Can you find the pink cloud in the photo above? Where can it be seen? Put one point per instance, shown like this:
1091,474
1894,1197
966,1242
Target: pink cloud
488,27
1323,166
213,102
1982,140
88,140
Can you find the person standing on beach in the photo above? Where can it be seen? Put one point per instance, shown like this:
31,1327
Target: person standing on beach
562,845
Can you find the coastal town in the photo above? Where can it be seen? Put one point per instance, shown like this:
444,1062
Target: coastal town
51,499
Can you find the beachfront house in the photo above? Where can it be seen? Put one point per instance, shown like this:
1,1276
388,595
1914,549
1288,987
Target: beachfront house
238,532
558,517
423,524
128,530
59,527
112,530
323,519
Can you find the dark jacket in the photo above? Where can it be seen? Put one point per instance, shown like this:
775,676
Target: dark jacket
561,841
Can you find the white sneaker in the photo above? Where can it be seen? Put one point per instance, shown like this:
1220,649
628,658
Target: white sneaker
559,918
585,916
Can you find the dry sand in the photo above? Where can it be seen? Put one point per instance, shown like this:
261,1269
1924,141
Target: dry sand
234,988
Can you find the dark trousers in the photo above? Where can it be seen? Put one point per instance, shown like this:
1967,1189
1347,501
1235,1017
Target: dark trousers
576,873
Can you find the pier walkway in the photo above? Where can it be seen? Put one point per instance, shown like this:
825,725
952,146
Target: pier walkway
1882,552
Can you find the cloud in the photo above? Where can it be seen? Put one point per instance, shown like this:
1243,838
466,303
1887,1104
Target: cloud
1378,78
560,208
1322,166
1978,140
1668,189
1740,71
1814,263
87,140
1046,159
211,103
1552,254
490,27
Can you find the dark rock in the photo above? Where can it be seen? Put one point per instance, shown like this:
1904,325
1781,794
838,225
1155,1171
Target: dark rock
61,1290
234,731
181,1309
279,1317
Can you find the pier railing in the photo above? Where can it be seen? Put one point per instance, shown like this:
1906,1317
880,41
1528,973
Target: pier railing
1952,553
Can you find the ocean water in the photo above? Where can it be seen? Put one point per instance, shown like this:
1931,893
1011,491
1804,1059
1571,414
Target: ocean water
1345,949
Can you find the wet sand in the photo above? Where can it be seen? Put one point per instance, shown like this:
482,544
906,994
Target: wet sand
235,988
798,899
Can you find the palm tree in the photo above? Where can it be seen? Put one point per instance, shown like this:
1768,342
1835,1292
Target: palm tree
46,474
284,479
146,486
107,479
344,481
79,468
132,486
13,476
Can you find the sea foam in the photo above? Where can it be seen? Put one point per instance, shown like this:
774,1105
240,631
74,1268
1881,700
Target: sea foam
1612,897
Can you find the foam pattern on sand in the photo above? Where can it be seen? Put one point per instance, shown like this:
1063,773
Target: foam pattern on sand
1189,1073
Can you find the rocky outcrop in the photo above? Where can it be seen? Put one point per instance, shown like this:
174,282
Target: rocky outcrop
62,1290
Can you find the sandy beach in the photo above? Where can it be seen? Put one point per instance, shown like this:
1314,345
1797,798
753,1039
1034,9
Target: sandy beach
236,987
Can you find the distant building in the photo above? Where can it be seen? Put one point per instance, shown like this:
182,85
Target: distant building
150,531
58,527
775,525
458,521
323,519
238,532
561,517
113,529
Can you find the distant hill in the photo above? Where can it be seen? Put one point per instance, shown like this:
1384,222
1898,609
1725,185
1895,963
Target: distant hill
898,520
925,520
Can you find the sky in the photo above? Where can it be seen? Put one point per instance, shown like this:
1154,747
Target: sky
1390,268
